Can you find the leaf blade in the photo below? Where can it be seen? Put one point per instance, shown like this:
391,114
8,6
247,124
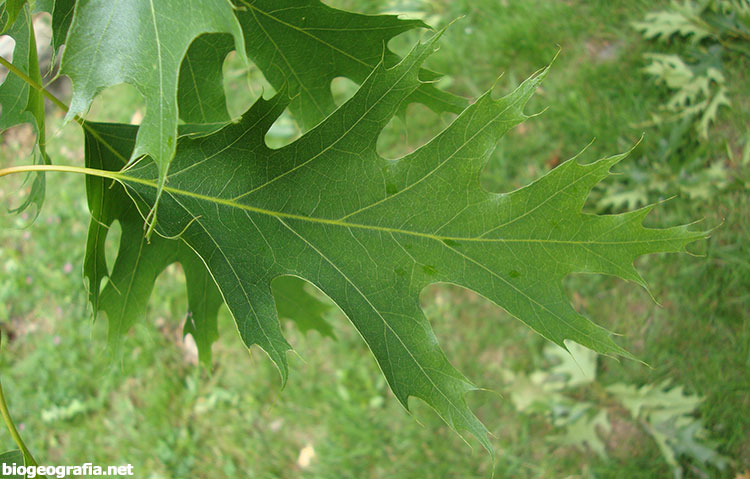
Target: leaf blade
372,233
302,46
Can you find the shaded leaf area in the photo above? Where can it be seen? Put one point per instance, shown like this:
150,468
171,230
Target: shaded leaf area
61,12
12,458
124,298
372,233
201,89
19,102
300,47
293,302
143,44
11,9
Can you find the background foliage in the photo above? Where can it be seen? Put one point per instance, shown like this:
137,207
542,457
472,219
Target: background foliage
337,404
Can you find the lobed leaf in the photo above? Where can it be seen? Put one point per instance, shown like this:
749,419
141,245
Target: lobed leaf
372,233
139,262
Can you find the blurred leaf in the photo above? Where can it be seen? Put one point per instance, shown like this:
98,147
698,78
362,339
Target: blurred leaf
666,414
696,95
577,365
682,20
581,429
654,398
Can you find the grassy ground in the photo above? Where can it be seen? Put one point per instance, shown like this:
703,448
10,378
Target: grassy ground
170,418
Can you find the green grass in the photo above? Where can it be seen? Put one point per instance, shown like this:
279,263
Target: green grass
170,418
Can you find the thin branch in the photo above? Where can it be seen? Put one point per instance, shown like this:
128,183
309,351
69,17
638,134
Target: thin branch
19,73
60,104
28,458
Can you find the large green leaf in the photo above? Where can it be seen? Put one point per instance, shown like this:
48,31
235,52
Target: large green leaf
372,233
141,43
19,102
303,45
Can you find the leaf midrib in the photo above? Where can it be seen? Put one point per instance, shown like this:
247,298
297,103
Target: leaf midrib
344,224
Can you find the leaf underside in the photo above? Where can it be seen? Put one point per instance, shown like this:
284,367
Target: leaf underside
372,233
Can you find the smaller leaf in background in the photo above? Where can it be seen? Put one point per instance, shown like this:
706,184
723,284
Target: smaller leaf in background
698,95
66,412
541,390
577,365
62,16
581,428
61,12
654,398
579,423
708,117
706,182
533,392
667,415
201,90
681,20
618,198
12,458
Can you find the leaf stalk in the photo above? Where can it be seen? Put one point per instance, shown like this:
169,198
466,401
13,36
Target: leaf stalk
47,94
60,168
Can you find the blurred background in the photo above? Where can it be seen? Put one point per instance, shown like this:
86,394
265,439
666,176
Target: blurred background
677,74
